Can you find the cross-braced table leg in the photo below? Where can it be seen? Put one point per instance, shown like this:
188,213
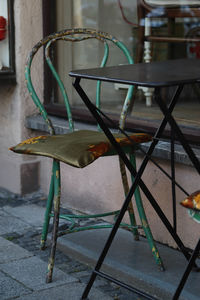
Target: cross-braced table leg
169,118
187,271
138,181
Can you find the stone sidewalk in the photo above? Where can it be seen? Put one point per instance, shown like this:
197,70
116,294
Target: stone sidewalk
23,265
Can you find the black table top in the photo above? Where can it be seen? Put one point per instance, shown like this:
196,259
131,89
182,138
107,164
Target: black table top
154,74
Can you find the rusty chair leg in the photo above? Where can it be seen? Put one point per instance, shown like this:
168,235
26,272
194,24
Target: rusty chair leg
56,171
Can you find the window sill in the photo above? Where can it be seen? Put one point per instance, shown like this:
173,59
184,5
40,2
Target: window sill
162,149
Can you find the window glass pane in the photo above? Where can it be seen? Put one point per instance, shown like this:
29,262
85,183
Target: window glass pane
96,14
109,17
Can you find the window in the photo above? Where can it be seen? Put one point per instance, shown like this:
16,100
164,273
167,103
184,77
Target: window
97,14
7,67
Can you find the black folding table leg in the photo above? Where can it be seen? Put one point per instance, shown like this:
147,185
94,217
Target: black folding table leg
187,271
137,181
173,180
168,115
138,175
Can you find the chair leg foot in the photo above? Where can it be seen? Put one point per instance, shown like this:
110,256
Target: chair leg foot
53,247
51,263
136,237
162,268
43,245
49,277
50,270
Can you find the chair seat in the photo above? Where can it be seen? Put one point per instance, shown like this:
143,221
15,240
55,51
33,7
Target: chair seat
192,201
79,148
173,3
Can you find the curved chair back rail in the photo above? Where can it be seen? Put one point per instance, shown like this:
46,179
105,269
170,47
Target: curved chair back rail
74,35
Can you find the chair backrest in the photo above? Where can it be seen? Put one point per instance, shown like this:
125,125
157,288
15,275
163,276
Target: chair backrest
75,35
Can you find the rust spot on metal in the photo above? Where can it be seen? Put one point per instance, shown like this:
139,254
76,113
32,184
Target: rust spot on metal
99,149
57,174
50,264
144,223
136,138
33,140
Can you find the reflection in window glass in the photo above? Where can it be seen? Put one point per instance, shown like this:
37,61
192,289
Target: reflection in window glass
96,14
107,16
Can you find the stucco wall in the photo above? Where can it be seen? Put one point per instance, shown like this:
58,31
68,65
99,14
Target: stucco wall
15,104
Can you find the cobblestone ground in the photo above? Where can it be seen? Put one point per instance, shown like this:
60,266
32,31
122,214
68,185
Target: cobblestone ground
30,241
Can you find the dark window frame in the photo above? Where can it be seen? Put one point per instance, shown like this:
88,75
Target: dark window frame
9,73
84,115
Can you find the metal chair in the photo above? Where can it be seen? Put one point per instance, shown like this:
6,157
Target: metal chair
170,10
81,148
192,202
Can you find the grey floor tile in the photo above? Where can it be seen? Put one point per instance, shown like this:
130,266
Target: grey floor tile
31,214
10,288
10,223
10,251
32,273
67,292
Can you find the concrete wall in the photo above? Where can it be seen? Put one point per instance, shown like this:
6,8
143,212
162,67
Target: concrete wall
15,103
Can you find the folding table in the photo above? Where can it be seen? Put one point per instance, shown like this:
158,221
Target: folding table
155,75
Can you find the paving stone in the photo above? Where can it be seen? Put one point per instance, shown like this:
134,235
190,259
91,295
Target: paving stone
67,292
83,274
7,195
11,288
3,213
10,251
10,223
31,214
21,270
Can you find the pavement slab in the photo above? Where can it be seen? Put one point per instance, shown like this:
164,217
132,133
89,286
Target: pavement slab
31,214
66,292
10,288
9,223
10,252
20,270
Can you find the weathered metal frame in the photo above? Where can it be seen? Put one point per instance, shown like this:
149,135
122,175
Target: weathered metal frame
54,191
